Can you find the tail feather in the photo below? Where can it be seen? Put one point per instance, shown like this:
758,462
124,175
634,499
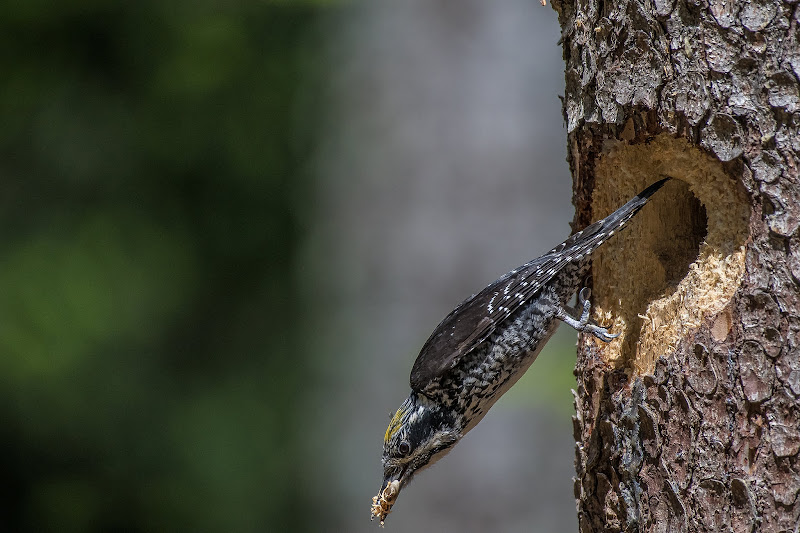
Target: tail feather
589,238
622,215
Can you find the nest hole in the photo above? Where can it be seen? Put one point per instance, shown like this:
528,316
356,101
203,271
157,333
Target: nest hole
680,260
682,218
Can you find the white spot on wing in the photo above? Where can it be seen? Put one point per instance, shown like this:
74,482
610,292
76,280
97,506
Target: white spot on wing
491,307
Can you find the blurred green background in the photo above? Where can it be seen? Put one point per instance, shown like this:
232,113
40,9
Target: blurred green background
166,357
151,155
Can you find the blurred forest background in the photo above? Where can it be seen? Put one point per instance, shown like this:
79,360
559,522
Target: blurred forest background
226,228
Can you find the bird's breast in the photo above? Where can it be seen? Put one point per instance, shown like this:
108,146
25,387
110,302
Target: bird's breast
489,371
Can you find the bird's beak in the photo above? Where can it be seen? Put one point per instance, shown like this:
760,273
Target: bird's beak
398,474
390,489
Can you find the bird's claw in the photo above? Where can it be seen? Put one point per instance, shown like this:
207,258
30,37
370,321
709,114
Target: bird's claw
585,323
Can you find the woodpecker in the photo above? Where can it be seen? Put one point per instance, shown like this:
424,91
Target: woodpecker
485,345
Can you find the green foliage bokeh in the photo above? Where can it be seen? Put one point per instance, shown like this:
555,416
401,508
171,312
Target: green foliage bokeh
150,157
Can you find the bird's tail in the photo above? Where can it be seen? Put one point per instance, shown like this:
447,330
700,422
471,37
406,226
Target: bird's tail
589,238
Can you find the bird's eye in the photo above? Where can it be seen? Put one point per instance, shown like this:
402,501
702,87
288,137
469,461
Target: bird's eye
404,448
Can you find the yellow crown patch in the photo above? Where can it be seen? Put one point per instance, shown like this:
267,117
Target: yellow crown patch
394,425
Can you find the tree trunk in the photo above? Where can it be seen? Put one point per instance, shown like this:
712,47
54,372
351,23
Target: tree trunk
690,420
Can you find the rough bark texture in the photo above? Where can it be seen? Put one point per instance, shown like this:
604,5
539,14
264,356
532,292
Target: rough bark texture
701,432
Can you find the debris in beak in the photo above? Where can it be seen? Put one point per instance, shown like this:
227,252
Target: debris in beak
382,503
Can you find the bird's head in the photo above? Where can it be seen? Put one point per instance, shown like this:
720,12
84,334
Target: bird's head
420,433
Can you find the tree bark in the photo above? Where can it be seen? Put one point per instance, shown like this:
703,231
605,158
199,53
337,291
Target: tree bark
690,421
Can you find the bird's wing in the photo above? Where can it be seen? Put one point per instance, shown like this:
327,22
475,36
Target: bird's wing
477,317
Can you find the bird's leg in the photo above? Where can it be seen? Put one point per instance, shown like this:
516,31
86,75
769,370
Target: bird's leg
584,323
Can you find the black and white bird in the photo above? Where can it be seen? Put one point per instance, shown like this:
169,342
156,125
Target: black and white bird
485,345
